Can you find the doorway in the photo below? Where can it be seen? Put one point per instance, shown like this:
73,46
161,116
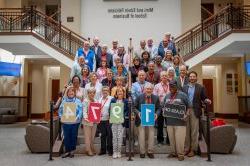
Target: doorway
207,10
208,84
55,89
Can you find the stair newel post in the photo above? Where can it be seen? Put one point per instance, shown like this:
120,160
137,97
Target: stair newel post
31,18
60,33
51,130
11,24
130,101
70,42
208,133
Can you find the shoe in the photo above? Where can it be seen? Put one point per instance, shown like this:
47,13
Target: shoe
191,154
151,155
101,153
67,154
142,156
115,155
180,158
119,155
132,154
71,154
172,155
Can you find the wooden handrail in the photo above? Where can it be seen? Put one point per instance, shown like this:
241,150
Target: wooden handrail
207,11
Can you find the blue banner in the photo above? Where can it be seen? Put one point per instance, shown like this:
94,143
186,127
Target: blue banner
10,69
147,114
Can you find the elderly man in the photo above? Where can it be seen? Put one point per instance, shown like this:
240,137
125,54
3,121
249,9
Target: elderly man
196,96
182,80
151,48
114,50
138,87
166,44
104,56
141,49
88,55
96,47
77,67
146,133
176,126
152,75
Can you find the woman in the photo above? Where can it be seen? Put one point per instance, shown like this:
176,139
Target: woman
94,83
109,80
85,76
119,84
104,126
89,127
102,71
145,60
167,61
70,129
136,68
121,71
117,129
177,61
171,73
76,85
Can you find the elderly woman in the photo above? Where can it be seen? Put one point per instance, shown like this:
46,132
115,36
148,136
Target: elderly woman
171,73
89,127
95,84
167,60
136,68
70,129
102,70
76,81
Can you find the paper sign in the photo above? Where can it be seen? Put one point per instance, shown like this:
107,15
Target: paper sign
116,113
94,112
69,113
147,114
176,111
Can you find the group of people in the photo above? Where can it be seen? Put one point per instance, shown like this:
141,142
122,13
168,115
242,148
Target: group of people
158,76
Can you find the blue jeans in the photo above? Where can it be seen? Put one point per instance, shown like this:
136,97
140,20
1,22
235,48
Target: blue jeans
70,132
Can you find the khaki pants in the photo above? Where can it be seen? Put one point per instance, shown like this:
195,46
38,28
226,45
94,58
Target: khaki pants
177,136
146,138
191,142
89,136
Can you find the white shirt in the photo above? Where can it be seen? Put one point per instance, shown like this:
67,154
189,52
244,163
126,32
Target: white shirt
105,103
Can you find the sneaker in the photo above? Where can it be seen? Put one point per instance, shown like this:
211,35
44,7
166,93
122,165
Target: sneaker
191,154
67,154
71,154
115,155
119,155
180,158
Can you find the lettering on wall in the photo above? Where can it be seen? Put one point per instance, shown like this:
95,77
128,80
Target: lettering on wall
130,13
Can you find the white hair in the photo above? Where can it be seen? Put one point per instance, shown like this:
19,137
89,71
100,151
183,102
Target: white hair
149,85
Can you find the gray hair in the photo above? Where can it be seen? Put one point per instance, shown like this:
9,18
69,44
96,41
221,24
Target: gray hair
149,85
91,89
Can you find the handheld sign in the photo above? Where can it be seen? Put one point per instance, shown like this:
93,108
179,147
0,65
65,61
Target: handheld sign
176,111
147,114
69,113
116,113
94,112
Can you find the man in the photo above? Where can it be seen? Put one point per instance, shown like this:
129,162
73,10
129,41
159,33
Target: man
109,80
176,126
182,80
77,67
96,48
141,49
166,44
88,55
152,75
146,133
152,49
196,95
114,50
104,56
161,89
138,87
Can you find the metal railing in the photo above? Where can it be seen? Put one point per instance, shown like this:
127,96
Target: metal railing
226,20
49,30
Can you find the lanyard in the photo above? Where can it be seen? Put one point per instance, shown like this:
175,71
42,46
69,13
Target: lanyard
142,88
164,87
182,80
148,100
103,103
172,98
151,77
